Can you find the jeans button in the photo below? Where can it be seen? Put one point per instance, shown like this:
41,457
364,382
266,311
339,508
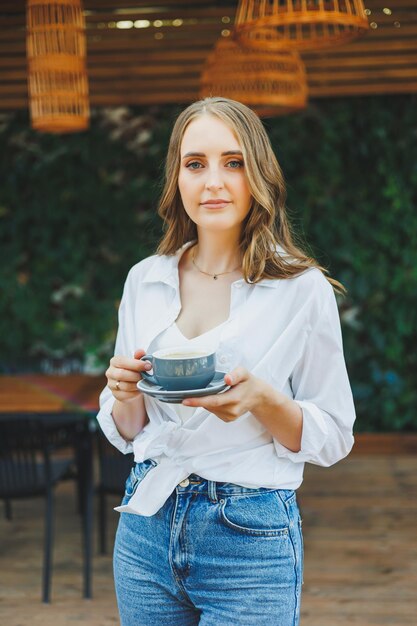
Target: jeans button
184,483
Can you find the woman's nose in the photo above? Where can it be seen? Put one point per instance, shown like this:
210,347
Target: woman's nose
214,180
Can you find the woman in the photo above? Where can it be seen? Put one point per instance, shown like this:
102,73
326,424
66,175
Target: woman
210,531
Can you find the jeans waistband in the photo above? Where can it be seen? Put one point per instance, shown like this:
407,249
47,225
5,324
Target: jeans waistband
215,490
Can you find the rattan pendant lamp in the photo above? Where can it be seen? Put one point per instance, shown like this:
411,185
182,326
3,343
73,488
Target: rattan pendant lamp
56,51
300,24
270,83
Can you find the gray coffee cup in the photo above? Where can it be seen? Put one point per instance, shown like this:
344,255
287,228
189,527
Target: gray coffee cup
181,369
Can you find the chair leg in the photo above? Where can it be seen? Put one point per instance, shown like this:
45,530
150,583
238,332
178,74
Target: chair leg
8,509
87,540
80,484
47,558
102,522
88,497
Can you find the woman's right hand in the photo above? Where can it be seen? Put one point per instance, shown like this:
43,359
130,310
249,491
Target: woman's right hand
124,373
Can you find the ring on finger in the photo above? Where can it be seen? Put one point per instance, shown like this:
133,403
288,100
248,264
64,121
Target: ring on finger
118,385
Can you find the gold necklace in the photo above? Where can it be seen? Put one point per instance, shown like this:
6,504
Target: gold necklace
214,276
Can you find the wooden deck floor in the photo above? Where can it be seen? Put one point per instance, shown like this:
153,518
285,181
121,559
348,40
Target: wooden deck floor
360,520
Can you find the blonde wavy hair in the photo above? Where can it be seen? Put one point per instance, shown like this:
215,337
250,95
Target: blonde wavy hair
266,228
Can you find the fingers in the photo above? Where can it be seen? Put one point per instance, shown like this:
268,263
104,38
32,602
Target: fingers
128,370
208,402
123,362
122,390
139,354
124,373
120,385
118,373
238,375
123,396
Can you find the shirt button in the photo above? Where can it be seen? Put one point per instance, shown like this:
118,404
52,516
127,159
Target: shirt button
238,285
184,483
223,359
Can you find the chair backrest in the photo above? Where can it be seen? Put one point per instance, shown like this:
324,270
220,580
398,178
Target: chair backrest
114,467
24,458
59,430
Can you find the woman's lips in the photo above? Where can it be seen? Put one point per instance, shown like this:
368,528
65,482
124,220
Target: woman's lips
215,204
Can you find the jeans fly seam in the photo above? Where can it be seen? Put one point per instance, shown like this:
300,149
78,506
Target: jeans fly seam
183,537
171,553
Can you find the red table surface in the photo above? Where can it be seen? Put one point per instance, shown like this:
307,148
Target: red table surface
72,392
50,393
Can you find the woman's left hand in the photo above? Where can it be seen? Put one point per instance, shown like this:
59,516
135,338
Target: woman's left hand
243,396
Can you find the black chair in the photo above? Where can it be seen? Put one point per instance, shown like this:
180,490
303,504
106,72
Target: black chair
27,470
114,468
75,431
29,466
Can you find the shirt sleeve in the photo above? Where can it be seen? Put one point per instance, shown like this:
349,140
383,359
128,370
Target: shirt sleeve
321,388
124,346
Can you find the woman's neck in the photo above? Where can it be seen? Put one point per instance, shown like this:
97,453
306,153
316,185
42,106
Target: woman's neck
215,253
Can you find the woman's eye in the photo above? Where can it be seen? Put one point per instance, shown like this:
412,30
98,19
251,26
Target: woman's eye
235,164
194,165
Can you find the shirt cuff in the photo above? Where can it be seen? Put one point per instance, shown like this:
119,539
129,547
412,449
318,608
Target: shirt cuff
313,438
106,421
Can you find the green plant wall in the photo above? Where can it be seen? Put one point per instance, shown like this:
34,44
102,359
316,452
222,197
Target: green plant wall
77,211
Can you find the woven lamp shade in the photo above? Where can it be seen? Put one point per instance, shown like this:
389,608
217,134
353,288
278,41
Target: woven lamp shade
299,24
56,51
271,84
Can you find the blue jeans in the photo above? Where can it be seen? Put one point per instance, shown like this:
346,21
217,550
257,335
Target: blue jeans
216,554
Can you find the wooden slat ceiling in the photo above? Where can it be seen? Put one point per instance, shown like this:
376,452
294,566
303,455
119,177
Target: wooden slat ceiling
161,63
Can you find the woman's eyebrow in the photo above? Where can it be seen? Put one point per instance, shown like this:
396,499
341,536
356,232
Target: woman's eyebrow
201,154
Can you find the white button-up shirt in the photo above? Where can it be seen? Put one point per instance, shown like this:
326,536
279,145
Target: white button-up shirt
285,331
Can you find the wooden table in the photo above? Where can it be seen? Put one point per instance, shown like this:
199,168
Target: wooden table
70,398
50,393
78,392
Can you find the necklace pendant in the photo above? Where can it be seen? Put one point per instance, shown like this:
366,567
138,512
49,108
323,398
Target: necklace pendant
215,277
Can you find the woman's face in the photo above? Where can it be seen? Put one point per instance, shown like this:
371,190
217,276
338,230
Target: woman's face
212,180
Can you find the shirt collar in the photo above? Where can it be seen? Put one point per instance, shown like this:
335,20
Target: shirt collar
165,269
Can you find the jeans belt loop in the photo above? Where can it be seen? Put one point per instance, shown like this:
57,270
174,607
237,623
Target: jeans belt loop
212,490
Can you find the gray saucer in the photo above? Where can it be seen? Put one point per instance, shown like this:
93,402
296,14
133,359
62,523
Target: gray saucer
176,397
